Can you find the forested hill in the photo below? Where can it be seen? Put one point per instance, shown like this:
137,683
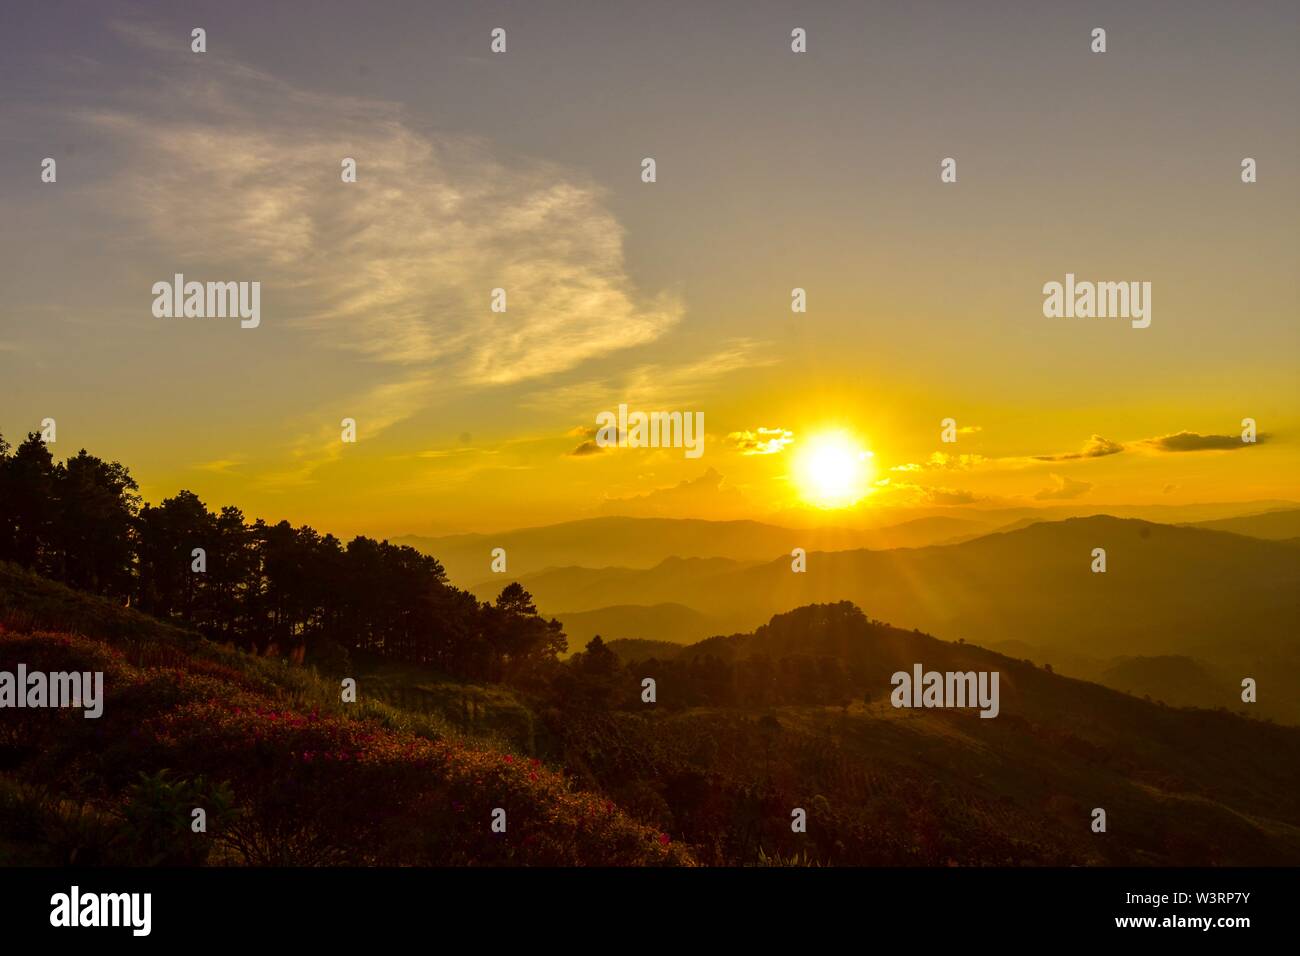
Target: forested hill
1177,784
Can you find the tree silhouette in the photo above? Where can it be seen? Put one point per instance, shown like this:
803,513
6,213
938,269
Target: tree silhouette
263,585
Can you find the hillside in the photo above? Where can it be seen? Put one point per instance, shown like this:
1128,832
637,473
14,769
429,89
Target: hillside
1169,678
745,728
1174,679
887,785
288,773
1273,525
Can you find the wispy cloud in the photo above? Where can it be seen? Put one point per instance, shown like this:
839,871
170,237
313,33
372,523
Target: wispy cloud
1191,441
220,466
942,461
1096,447
1063,488
230,171
658,385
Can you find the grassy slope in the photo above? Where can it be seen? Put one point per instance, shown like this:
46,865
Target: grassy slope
881,785
315,780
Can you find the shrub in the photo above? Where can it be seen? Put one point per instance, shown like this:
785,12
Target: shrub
297,786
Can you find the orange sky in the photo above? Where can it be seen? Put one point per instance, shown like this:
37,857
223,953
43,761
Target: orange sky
775,171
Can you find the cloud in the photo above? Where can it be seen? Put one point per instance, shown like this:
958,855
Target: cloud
705,496
651,385
232,173
909,493
1191,441
438,454
1063,488
219,466
1096,447
942,461
588,446
761,441
379,408
949,496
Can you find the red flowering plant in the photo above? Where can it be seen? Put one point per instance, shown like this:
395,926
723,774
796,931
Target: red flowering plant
308,788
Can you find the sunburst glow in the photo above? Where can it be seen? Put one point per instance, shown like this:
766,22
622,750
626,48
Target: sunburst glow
833,470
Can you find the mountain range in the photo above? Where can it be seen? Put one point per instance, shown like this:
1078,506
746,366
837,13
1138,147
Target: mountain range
644,542
1226,601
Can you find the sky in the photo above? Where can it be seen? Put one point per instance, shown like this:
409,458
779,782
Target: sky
775,170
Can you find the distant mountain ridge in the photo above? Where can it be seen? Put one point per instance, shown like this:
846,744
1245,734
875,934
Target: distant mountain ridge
634,542
645,542
1165,588
1168,590
1276,525
631,621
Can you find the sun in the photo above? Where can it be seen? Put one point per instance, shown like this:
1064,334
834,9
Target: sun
832,470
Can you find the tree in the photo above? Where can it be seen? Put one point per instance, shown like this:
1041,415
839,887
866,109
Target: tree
96,507
593,678
27,505
166,538
513,599
260,583
524,645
